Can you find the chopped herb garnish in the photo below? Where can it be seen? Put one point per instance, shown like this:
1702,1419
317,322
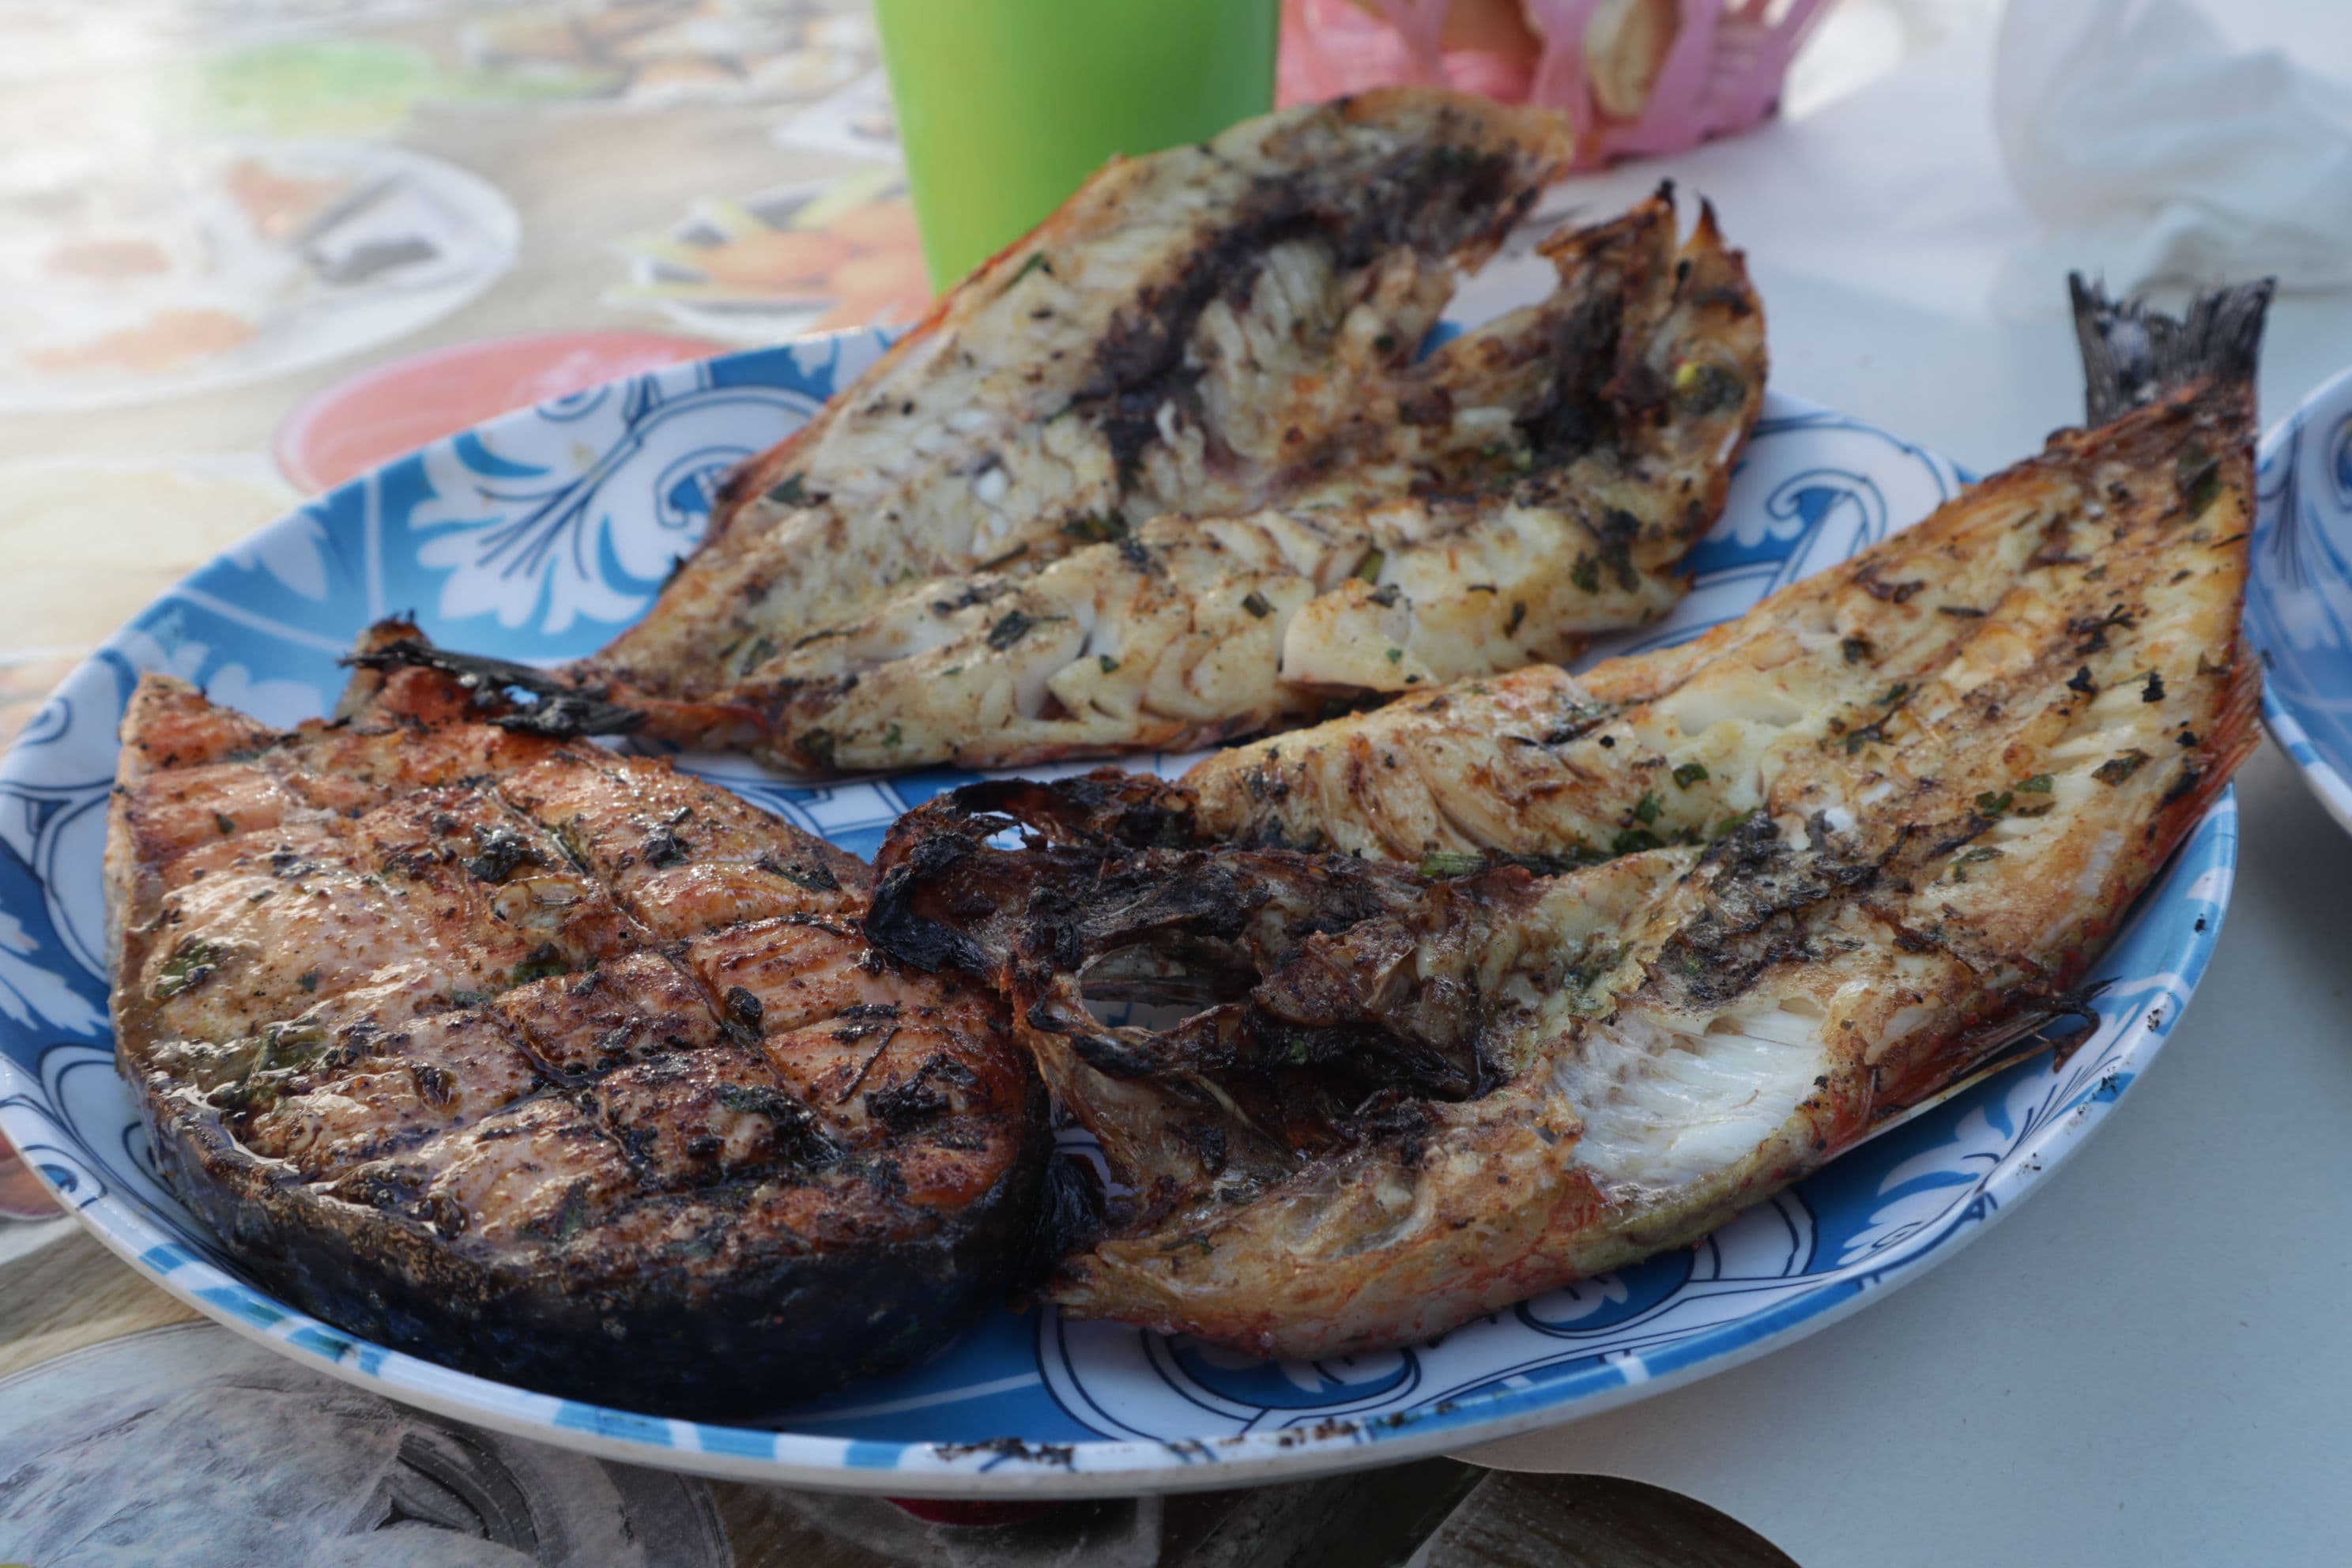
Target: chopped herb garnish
1992,805
1895,693
1385,342
2199,479
792,493
1586,574
663,846
308,979
816,878
1450,863
224,822
1009,630
1101,530
1368,568
574,1216
1689,774
1036,263
892,736
1396,656
761,651
1734,824
1857,650
1706,387
542,965
1635,839
1108,664
191,964
2116,769
503,849
1255,604
819,744
1645,810
2039,785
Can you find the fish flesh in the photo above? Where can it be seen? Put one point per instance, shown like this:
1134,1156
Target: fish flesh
1188,332
549,1064
1530,978
1527,484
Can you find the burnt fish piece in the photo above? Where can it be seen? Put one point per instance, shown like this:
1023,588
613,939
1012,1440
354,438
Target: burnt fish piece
1192,330
546,1063
1594,970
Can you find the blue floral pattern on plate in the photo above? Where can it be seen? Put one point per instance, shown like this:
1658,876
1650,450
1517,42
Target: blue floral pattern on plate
541,534
2299,599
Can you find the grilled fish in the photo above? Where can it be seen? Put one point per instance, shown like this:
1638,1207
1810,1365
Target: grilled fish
1189,332
547,1063
1589,967
1529,484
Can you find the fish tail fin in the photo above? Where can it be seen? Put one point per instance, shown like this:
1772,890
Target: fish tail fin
2234,735
2132,355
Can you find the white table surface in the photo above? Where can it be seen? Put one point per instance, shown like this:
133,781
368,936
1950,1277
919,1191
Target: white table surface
2151,1362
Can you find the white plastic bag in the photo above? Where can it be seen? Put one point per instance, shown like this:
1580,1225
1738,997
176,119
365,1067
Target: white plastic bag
2152,155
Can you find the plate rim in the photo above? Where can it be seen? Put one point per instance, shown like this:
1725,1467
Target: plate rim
1105,1465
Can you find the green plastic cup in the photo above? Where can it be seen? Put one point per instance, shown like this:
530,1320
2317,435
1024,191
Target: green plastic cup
1004,107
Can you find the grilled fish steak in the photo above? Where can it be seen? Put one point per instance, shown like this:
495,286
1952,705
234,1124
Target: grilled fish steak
1529,484
1573,972
547,1063
1189,332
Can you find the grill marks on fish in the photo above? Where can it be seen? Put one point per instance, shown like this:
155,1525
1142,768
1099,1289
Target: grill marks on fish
1902,861
1525,486
1187,331
526,1055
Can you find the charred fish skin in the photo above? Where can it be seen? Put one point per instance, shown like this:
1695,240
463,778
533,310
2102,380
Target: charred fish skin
1938,835
549,1064
1527,485
1185,330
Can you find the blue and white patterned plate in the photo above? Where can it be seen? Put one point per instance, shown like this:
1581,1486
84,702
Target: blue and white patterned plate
2299,598
540,534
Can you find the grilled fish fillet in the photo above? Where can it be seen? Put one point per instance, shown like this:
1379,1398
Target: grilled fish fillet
1531,483
1188,332
1850,849
549,1064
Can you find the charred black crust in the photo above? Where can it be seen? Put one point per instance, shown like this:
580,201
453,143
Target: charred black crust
893,925
558,709
1430,197
787,1320
1070,1216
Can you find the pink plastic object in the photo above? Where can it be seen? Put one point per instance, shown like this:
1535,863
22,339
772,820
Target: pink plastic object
1634,75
